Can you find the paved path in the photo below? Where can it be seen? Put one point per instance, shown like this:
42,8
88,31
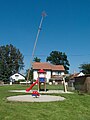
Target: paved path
41,98
49,91
29,98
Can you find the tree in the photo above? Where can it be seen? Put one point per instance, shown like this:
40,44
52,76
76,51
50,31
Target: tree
11,61
36,59
85,68
30,74
59,58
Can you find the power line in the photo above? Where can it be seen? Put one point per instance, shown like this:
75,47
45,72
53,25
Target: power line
79,55
73,55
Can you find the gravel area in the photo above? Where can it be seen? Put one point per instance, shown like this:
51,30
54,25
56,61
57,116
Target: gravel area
41,98
30,98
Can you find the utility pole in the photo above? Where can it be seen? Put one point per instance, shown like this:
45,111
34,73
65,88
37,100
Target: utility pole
39,29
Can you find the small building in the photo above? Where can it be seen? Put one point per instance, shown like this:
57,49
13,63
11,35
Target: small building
52,71
81,74
72,76
16,77
77,80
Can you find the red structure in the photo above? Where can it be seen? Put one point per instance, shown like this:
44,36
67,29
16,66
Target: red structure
35,94
28,89
41,79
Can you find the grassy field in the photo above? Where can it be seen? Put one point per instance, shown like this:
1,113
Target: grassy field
75,107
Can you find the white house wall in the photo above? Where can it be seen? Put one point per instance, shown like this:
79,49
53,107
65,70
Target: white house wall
62,73
35,75
17,77
57,73
48,75
54,73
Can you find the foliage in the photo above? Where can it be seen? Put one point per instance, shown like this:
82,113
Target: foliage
30,74
59,58
75,107
11,61
36,59
30,71
85,68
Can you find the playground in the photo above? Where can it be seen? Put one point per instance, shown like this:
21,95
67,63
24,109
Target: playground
69,109
36,94
41,80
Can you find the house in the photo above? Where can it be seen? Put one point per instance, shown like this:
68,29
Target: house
16,77
76,78
81,74
51,70
76,75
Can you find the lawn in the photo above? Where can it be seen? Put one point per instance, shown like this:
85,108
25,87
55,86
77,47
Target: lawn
75,107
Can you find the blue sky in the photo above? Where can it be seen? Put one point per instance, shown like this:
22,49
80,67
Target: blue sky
66,28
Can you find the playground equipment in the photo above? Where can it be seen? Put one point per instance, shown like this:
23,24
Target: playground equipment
28,89
35,94
41,80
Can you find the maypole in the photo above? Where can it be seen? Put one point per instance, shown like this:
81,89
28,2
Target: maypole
39,29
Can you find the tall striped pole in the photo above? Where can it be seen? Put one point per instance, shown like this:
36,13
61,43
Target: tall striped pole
39,29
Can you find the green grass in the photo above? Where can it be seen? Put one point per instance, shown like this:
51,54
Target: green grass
75,107
50,87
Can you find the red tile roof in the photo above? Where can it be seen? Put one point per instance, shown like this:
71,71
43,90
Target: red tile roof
74,75
58,67
47,66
